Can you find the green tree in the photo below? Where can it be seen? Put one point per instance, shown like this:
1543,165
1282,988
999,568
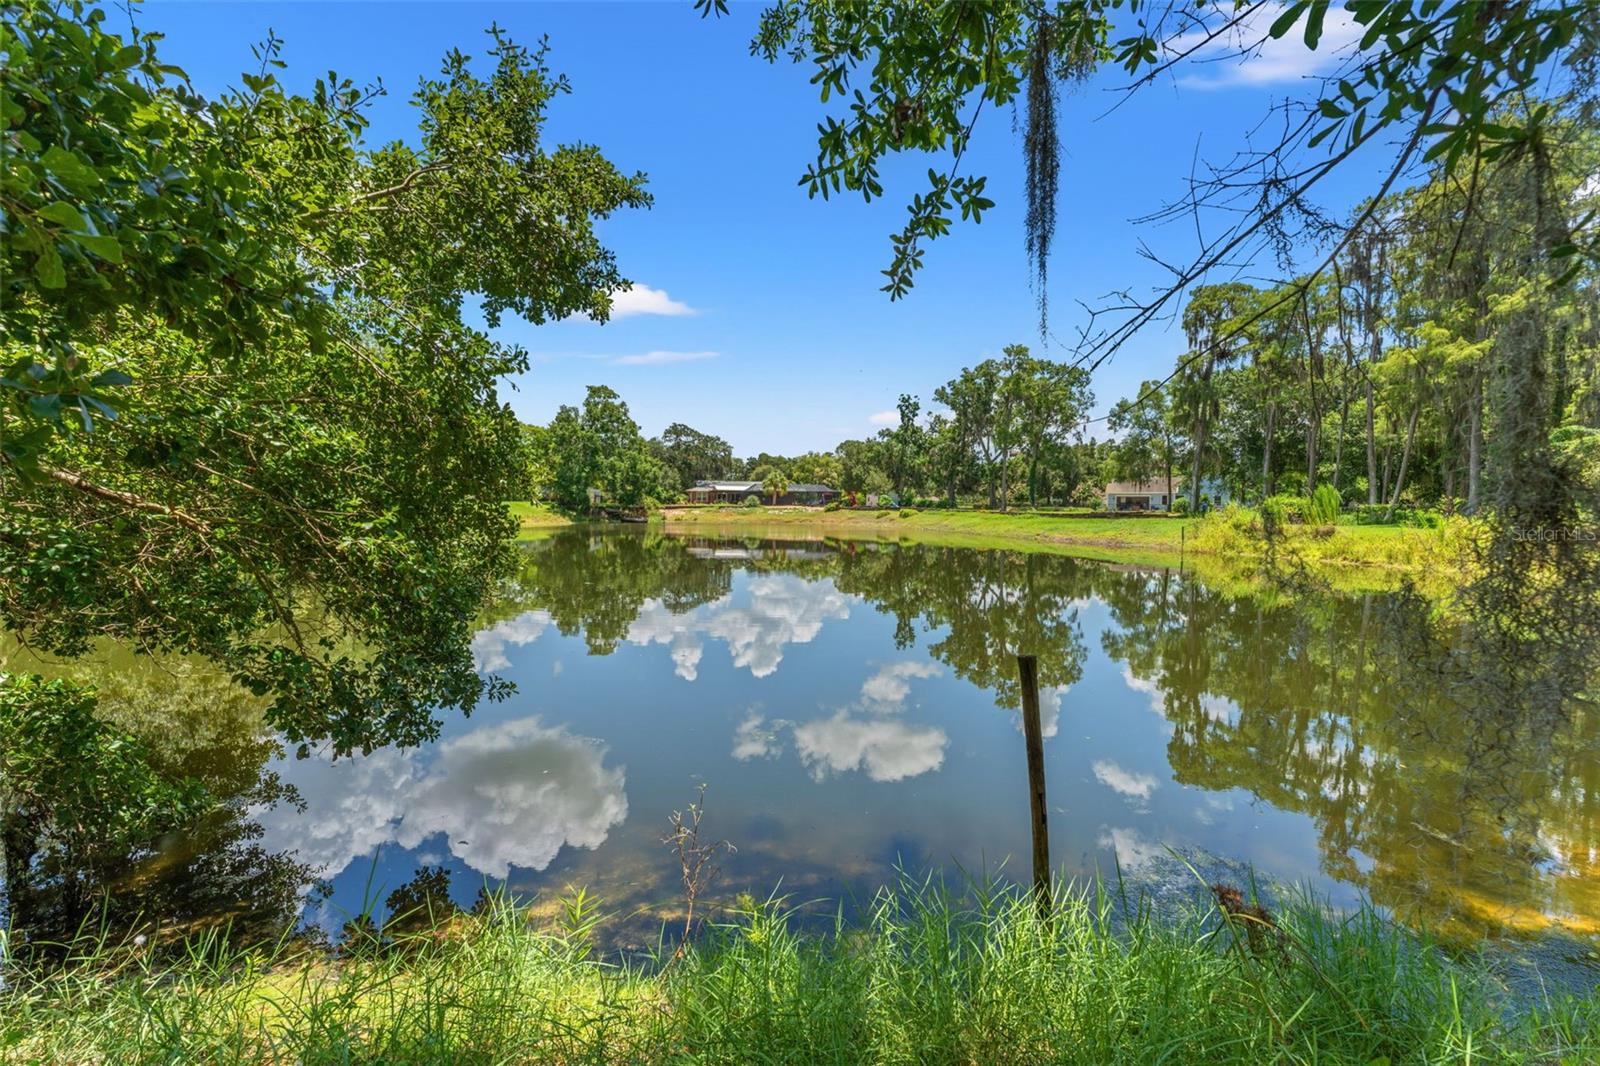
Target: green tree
858,463
241,416
774,483
1431,78
1053,400
816,468
599,447
1147,447
75,795
903,446
1209,323
691,456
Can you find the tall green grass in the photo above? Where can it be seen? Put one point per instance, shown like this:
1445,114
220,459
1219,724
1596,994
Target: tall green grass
926,976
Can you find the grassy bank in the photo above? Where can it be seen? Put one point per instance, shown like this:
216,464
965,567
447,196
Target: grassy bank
927,979
536,516
1233,534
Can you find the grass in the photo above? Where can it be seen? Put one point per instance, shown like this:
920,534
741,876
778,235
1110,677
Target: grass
1233,534
928,976
536,516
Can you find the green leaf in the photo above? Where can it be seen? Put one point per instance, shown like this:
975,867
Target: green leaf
62,214
106,248
49,271
68,169
1290,16
1314,23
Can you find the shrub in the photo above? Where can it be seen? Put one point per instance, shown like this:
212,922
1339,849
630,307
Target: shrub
1180,505
907,512
1322,507
1281,510
833,505
752,501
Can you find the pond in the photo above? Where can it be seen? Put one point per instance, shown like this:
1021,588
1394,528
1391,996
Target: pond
852,709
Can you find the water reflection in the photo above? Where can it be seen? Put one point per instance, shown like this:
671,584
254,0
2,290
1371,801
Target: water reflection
783,610
854,707
163,873
512,794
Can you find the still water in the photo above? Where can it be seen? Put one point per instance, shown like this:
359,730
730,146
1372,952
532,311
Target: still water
852,709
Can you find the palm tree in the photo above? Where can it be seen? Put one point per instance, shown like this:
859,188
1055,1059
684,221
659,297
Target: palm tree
775,484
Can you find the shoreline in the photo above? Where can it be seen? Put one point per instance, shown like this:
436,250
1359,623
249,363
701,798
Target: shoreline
1225,538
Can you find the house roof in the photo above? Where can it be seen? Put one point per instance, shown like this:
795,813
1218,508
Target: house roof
753,486
729,486
1136,488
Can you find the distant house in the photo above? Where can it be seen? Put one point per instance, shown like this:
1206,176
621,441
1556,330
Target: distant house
1137,496
736,491
1156,496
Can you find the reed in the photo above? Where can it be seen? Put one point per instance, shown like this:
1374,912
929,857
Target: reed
927,975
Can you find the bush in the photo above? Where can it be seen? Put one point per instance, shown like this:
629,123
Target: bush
1180,505
907,512
1281,510
1323,506
833,505
752,501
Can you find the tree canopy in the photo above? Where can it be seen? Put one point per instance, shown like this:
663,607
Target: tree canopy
1430,81
241,415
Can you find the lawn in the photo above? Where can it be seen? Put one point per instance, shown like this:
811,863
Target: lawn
1229,534
534,516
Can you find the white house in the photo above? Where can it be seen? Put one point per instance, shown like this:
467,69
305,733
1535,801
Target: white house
1137,496
1156,496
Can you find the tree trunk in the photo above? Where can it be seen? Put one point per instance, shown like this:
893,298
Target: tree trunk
1475,443
1313,437
1372,451
1405,457
1199,447
1344,422
1266,452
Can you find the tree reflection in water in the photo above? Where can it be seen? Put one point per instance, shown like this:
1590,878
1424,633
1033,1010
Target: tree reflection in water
1448,760
1444,761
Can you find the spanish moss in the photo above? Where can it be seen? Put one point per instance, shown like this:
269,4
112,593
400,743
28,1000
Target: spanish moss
1042,149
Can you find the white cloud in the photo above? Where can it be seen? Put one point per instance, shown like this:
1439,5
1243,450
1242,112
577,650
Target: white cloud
886,748
504,795
1049,711
489,645
887,689
662,358
1133,849
1126,782
755,739
643,300
1247,56
859,737
1213,707
783,610
884,418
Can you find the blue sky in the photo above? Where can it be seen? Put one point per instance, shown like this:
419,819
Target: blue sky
758,315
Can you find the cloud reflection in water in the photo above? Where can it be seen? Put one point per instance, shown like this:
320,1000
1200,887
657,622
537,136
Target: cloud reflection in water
504,795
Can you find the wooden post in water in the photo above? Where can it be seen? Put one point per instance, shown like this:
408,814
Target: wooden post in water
1033,737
